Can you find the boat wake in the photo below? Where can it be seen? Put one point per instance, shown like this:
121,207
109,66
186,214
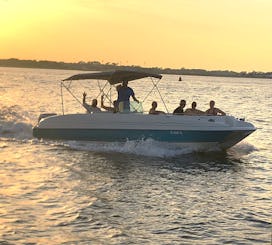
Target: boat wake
14,123
243,148
149,148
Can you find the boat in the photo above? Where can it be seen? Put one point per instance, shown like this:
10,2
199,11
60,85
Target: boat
200,131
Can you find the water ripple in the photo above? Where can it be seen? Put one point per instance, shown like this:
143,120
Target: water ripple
55,192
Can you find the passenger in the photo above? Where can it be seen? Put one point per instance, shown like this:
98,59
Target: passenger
113,109
214,111
180,110
124,93
193,111
153,109
90,108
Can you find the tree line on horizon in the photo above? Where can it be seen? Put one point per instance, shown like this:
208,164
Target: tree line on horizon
97,66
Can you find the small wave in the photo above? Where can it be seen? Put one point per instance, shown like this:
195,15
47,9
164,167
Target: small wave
147,147
152,148
243,148
15,123
16,130
13,114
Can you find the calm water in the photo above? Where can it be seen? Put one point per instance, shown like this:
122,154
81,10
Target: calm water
138,192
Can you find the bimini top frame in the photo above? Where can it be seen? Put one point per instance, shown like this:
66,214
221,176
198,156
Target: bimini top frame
112,78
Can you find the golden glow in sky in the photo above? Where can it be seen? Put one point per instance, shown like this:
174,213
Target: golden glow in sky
207,34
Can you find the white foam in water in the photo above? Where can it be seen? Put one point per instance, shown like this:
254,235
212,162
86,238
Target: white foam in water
15,123
18,130
147,147
243,148
150,148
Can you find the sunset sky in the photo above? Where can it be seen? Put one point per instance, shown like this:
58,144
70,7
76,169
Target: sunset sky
207,34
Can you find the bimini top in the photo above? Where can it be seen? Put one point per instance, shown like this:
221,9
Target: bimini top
113,77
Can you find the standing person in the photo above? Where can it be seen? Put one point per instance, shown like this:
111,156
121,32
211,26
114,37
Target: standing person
214,111
124,93
193,111
90,108
180,110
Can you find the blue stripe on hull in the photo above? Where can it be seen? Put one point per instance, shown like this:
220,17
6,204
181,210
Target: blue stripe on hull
127,134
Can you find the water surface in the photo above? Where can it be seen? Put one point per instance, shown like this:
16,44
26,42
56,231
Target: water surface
55,192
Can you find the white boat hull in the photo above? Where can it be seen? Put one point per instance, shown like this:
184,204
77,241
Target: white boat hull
203,131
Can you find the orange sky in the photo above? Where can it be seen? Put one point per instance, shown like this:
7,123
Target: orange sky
208,34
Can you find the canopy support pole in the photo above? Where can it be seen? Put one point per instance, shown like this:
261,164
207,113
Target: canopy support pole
61,92
155,85
63,85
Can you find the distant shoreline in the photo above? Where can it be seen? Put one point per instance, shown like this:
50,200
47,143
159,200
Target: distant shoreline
97,66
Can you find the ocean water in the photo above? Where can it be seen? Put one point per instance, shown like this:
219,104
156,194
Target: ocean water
67,192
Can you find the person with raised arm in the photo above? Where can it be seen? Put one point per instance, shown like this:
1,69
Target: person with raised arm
90,108
113,109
